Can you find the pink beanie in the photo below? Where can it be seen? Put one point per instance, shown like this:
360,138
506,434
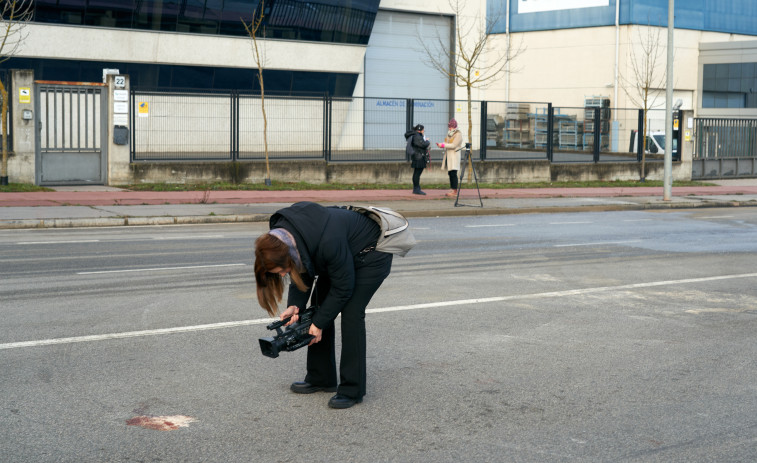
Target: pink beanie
452,124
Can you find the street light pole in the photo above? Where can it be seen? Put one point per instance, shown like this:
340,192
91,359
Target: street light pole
668,159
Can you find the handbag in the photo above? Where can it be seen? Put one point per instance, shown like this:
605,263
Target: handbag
395,237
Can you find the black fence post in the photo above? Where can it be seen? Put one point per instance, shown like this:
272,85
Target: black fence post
597,131
483,132
550,130
132,124
640,137
328,107
409,109
234,102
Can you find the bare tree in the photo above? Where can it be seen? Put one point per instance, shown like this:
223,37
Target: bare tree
14,16
474,63
647,74
253,28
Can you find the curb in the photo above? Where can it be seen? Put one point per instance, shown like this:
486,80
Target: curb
457,212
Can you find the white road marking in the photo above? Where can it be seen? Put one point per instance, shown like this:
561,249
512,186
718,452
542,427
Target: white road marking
637,220
58,242
430,305
158,269
190,237
494,225
595,243
569,223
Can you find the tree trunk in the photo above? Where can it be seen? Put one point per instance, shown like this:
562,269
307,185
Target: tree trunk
470,129
4,118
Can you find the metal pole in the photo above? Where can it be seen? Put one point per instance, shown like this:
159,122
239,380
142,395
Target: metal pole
668,171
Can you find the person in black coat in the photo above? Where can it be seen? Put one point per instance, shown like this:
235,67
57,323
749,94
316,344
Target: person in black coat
417,147
307,240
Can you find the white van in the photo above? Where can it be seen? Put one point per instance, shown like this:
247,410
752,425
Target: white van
655,144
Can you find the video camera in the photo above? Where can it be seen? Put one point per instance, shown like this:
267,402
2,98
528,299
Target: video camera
291,338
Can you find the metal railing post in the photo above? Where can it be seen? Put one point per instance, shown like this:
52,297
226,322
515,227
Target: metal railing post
550,130
234,102
483,131
329,107
409,109
597,132
639,137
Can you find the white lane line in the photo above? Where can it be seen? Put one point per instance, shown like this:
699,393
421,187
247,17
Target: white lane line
58,242
569,223
637,220
134,334
201,237
494,225
159,269
430,305
598,243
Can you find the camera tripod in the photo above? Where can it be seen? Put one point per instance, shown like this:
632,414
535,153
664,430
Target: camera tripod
464,163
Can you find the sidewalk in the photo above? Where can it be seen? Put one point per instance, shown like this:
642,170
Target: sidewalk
91,206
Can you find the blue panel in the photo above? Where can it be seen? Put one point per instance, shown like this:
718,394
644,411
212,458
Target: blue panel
733,16
548,20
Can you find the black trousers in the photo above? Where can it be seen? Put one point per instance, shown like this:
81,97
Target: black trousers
370,271
452,179
417,178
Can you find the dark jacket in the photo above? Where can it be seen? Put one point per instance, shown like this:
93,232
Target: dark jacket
328,240
419,146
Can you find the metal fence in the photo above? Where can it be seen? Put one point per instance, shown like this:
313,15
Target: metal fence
725,138
724,148
229,126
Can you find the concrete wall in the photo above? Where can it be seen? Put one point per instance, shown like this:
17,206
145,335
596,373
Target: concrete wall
317,172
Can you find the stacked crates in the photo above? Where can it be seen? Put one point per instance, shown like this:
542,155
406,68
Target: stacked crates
590,103
517,127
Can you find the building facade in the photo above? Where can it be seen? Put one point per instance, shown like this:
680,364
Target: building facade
574,49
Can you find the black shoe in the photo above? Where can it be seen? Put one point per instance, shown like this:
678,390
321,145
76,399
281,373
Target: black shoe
301,387
342,401
419,192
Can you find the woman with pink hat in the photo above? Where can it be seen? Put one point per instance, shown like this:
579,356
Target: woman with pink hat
451,161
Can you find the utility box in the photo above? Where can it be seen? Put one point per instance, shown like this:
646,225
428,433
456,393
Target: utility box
120,135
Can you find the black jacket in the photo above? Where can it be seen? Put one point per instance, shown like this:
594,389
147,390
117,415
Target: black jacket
420,146
328,239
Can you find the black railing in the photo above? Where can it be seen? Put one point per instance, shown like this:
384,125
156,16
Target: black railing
228,126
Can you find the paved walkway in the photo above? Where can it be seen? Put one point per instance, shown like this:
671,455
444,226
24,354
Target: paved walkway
89,206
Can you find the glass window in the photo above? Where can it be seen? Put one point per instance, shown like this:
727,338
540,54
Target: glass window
338,21
721,71
708,71
167,77
708,100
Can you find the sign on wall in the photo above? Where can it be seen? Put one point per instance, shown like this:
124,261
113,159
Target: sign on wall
537,6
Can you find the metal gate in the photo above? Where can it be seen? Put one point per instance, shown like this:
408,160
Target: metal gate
71,135
724,148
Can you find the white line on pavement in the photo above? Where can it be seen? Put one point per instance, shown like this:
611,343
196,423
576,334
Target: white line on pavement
430,305
569,223
493,225
598,243
158,269
58,242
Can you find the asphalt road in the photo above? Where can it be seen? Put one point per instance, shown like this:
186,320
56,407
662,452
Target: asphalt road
605,336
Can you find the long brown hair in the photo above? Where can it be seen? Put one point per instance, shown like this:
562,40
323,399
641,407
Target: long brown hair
271,252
